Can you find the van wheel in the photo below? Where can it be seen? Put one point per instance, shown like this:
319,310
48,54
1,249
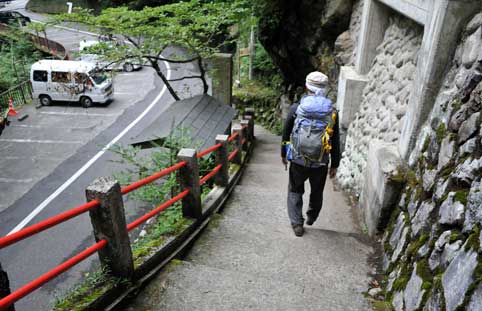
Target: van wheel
86,102
128,67
45,100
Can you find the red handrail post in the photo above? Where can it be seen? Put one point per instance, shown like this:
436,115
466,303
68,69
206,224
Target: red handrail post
245,127
238,143
109,223
5,287
189,180
221,179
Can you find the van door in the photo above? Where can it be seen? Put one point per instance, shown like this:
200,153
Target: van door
83,85
62,88
39,82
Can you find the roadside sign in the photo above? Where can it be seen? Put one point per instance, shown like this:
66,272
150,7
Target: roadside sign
244,52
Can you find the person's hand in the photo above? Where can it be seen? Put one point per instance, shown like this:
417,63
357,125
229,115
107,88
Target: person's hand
332,172
285,162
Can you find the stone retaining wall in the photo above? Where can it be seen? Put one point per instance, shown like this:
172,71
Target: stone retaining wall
432,247
385,98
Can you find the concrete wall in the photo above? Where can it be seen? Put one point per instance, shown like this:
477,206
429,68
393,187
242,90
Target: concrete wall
441,22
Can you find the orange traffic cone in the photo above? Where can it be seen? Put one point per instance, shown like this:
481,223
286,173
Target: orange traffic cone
11,111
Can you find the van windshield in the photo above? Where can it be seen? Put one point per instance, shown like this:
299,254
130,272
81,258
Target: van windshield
98,77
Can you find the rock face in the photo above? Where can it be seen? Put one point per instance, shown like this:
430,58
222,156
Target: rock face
295,33
385,99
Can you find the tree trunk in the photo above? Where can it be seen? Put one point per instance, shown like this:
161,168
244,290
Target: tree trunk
156,67
202,72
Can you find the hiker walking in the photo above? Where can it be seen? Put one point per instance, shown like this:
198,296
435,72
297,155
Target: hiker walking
310,138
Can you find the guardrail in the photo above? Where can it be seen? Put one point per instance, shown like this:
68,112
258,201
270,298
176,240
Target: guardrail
47,45
21,95
106,209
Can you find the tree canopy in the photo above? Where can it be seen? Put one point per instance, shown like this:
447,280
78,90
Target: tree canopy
193,26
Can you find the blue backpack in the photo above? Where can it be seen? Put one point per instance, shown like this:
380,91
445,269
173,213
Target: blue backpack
312,130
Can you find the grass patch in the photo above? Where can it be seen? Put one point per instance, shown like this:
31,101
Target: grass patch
440,133
93,286
461,196
473,241
168,224
378,305
415,246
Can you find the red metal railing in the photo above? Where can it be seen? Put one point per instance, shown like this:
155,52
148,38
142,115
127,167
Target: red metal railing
63,217
156,211
48,223
30,287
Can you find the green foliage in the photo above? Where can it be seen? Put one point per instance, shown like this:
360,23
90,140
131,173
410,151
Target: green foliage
92,287
461,196
264,98
415,246
473,242
170,221
17,53
440,132
193,26
401,282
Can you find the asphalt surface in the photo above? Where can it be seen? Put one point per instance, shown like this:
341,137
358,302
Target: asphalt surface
38,156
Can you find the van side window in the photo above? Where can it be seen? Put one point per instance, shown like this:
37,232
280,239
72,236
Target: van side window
60,77
82,78
40,76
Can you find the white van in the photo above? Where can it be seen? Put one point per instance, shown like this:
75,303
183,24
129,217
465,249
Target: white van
65,80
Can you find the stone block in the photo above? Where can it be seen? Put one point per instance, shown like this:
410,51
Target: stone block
380,192
469,128
446,152
458,277
350,90
473,214
222,75
476,299
451,211
413,292
420,221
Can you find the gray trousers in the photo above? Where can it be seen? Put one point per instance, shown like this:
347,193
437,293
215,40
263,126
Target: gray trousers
297,176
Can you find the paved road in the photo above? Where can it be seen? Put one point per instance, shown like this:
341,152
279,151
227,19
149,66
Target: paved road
38,156
249,258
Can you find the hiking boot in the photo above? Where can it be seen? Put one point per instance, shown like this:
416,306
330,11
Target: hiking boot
299,230
309,221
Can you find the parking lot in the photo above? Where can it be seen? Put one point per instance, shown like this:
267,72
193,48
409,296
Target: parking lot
32,148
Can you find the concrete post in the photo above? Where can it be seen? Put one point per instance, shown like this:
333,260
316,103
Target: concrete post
374,24
189,180
245,127
109,223
238,143
5,287
251,112
250,127
439,42
222,75
221,157
350,93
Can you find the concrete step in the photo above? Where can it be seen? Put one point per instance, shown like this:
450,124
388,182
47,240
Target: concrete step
186,286
321,259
